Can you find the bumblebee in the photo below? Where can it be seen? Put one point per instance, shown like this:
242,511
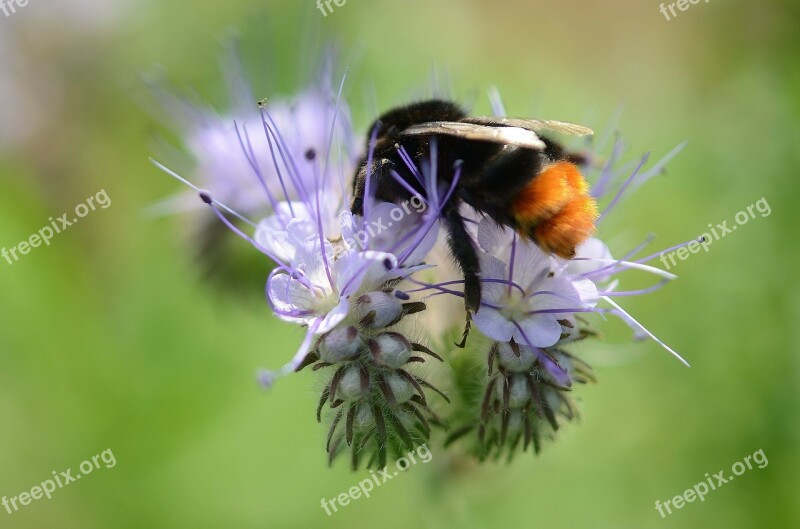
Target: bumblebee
507,172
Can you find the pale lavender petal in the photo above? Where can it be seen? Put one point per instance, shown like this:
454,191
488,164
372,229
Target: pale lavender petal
493,238
531,265
334,317
493,324
538,330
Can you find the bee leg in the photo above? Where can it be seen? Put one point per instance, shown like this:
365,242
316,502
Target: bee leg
359,187
465,334
383,187
465,254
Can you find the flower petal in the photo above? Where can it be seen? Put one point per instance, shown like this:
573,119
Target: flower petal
493,238
334,317
492,268
493,324
538,330
531,265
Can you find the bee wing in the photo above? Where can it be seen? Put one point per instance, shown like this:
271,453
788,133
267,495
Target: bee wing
506,135
535,125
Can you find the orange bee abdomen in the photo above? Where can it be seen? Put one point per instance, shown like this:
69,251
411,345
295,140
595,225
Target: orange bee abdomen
556,210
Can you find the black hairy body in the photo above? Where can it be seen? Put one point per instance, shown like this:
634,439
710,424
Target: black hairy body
492,171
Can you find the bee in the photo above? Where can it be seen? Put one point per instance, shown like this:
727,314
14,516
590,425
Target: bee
508,172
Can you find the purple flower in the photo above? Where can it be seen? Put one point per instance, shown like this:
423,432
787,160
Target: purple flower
227,148
329,262
524,292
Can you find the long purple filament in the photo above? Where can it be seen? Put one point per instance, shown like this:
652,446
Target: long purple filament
622,189
249,153
268,134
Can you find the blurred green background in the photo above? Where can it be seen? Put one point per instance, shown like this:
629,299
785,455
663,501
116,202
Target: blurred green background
111,338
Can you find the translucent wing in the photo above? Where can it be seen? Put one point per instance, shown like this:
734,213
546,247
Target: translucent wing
507,135
535,125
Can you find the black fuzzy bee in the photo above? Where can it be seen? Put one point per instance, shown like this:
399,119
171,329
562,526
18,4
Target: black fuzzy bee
508,172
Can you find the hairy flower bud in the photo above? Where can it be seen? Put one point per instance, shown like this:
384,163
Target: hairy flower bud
342,343
378,310
364,418
519,392
351,385
516,423
391,349
377,408
401,387
524,399
517,358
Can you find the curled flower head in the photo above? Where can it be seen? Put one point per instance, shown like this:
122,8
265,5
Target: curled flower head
526,397
377,403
